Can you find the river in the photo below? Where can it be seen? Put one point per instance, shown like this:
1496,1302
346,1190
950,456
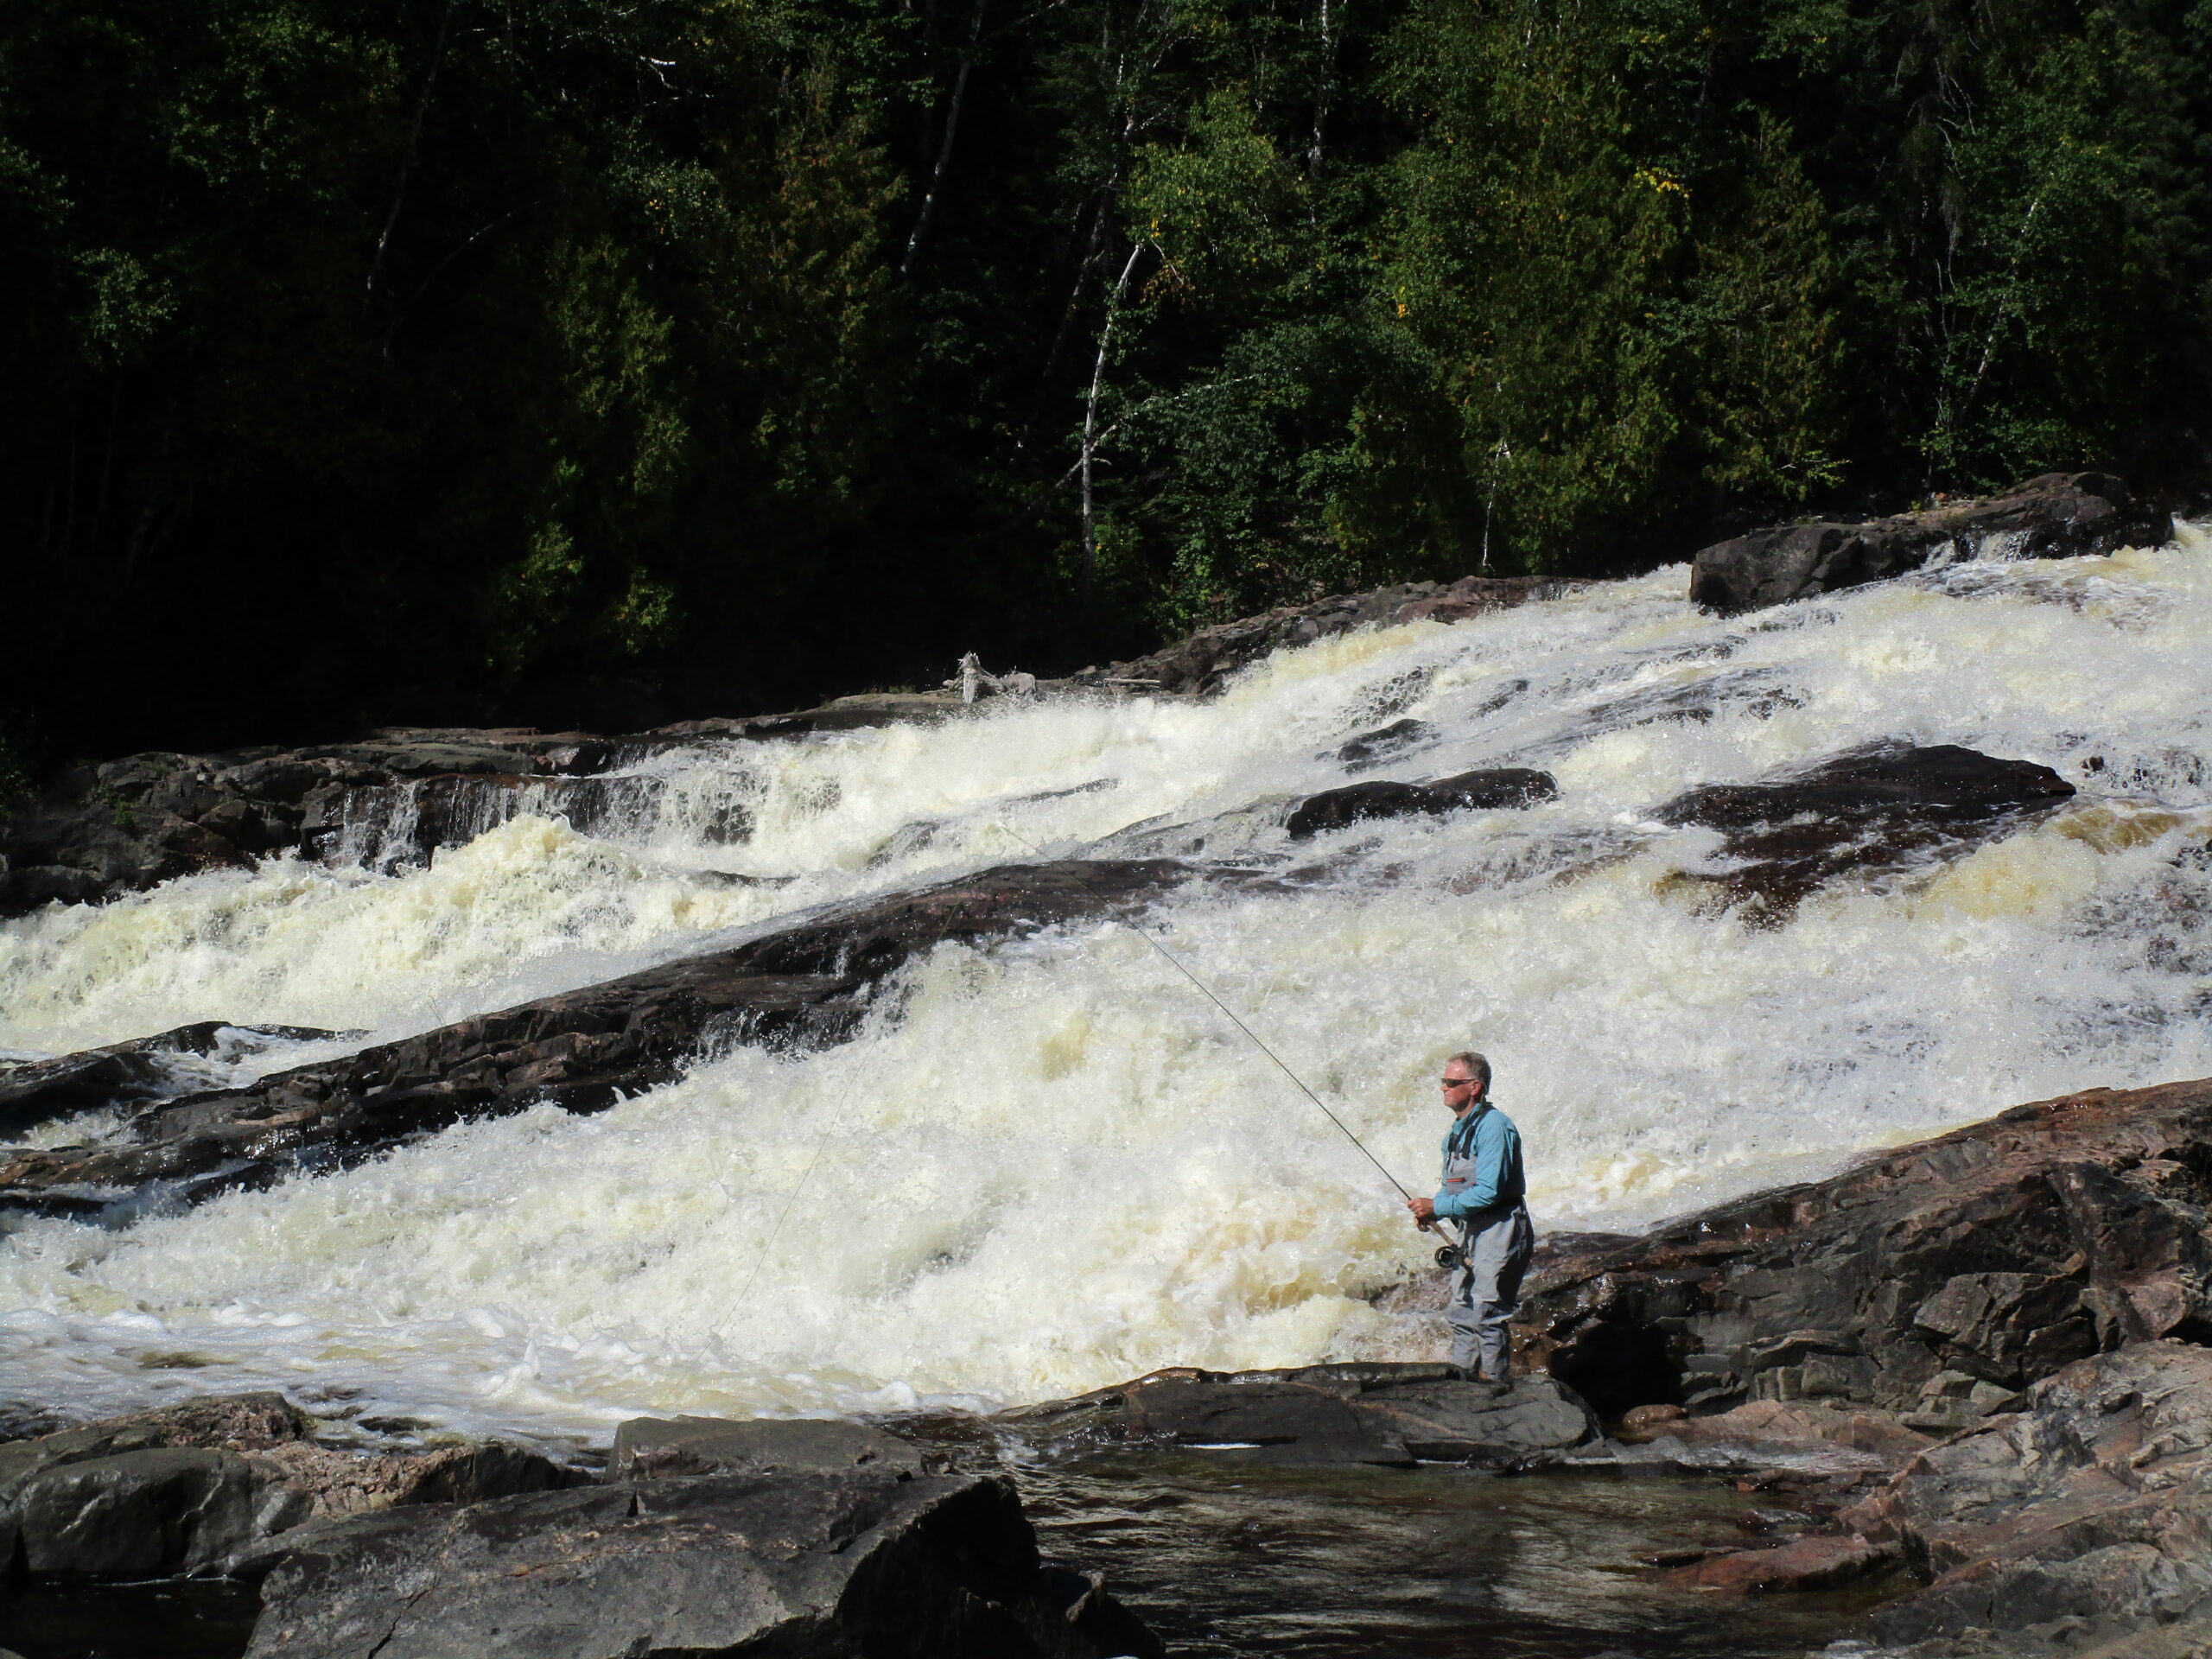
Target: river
1049,1165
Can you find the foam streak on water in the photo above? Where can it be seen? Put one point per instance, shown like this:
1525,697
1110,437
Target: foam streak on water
1045,1166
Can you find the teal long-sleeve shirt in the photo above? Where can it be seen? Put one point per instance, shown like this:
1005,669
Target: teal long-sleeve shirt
1496,1152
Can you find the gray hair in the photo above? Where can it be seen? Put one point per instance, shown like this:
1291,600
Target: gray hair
1477,1066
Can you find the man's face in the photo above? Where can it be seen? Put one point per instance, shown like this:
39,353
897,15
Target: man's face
1461,1091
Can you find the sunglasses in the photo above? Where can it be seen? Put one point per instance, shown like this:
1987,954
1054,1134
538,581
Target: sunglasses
1456,1083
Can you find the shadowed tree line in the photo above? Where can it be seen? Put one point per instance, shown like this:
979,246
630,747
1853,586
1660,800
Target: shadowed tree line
564,360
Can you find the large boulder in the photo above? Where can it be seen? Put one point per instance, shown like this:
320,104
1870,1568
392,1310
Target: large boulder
1868,811
1337,1414
850,1564
188,1488
2060,515
805,985
1501,789
1932,1283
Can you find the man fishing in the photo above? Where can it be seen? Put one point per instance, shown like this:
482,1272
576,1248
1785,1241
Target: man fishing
1483,1191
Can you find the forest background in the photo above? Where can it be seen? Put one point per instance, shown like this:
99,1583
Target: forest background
568,361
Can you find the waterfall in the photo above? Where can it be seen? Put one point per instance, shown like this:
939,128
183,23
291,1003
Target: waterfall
1046,1164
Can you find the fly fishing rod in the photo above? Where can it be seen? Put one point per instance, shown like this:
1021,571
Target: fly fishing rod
1453,1254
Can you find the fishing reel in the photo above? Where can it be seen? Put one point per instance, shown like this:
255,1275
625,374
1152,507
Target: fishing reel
1452,1257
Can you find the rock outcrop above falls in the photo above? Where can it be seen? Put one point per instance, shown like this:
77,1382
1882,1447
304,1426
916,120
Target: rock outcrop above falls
1933,1283
2060,515
102,831
808,984
1341,1414
1200,663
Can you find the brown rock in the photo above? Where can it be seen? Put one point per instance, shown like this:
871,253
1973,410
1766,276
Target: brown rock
1870,811
2081,1519
1875,1289
1805,1564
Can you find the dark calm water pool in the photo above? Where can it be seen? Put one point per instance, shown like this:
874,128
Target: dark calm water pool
1226,1559
1403,1564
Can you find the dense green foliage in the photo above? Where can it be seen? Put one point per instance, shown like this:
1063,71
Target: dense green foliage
571,360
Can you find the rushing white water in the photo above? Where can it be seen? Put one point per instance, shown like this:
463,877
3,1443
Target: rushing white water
1049,1164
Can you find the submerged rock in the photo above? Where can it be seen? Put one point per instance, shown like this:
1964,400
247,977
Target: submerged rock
852,1564
1932,1283
192,1487
1872,811
2060,515
807,984
1505,788
1365,1414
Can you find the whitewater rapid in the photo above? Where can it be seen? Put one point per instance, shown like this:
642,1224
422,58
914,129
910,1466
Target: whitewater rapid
1045,1166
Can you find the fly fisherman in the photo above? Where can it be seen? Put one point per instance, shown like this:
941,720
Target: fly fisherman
1483,1191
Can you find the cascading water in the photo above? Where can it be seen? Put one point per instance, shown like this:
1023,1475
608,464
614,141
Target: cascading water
1045,1166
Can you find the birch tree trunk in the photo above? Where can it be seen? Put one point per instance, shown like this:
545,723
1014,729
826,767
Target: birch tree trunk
945,150
1091,419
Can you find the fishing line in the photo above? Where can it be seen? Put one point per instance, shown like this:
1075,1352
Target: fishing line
1229,1013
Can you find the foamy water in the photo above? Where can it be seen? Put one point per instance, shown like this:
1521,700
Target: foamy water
1047,1165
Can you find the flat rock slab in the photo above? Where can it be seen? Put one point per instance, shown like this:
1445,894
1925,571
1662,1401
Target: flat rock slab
2060,515
191,1488
1503,789
855,1564
655,1448
1364,1413
807,984
1932,1283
